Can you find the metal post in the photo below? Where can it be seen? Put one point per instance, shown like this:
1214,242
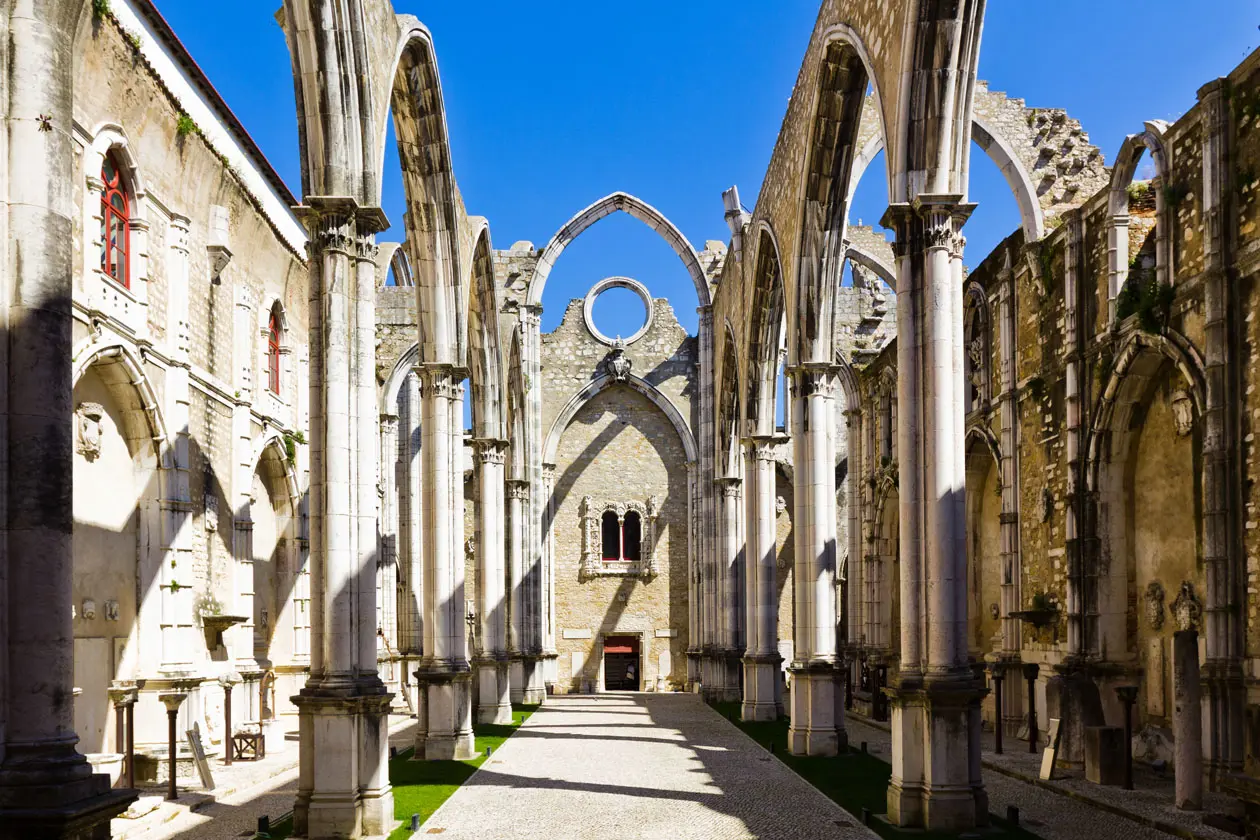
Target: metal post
997,705
172,701
1128,696
1030,673
227,725
131,745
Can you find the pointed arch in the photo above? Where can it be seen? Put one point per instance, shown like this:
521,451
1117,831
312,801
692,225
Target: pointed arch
602,383
123,373
482,354
765,334
728,455
392,256
606,206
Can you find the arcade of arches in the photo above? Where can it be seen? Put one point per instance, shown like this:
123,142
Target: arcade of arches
237,467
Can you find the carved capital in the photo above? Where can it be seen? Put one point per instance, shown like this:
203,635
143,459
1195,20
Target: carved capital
730,488
814,379
760,448
490,450
517,489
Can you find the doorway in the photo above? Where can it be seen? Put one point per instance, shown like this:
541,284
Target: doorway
622,671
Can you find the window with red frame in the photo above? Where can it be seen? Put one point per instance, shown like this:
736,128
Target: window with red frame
115,223
273,352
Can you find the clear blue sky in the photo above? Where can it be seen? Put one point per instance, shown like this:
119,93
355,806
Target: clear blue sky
553,105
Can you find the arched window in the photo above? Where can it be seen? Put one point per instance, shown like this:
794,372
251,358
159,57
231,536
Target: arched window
610,537
632,534
273,352
115,223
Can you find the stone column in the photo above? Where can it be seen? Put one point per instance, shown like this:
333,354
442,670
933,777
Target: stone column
414,544
817,699
1010,589
343,709
1187,720
730,545
494,703
517,506
444,675
1225,564
854,607
47,789
761,656
388,619
936,698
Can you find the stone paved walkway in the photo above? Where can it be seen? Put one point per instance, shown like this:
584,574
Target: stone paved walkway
645,766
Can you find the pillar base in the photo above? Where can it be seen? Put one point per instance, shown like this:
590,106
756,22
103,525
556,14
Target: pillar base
817,710
445,712
346,791
494,703
50,793
1072,697
527,676
936,783
761,677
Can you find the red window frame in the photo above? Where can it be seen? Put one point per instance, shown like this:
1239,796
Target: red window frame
273,353
115,224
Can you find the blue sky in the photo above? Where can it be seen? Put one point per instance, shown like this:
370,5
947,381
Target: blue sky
551,106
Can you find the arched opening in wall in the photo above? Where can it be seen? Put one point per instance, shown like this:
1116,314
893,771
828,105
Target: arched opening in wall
1140,285
610,537
767,336
619,245
469,403
1150,519
276,623
984,549
117,556
632,537
781,396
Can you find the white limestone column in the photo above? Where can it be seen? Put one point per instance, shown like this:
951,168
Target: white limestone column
817,702
761,658
46,787
343,709
494,701
730,544
936,699
388,617
538,644
444,675
517,506
415,506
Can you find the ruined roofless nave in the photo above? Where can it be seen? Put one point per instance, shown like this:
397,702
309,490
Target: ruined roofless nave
252,455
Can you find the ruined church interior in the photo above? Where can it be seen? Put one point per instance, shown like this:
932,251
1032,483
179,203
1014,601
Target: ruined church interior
325,522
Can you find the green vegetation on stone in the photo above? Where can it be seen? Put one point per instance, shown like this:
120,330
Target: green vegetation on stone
853,781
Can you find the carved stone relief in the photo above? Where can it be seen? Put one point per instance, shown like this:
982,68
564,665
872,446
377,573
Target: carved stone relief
1155,604
88,420
1187,609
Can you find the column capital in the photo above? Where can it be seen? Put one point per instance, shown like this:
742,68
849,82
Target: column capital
531,314
443,381
389,422
808,378
490,450
338,223
762,447
549,472
730,487
517,488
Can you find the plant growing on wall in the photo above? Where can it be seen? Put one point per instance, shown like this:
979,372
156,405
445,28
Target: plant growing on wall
1147,298
290,445
100,8
185,125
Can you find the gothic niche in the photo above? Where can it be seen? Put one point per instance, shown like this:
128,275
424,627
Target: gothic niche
617,363
88,422
1155,604
618,537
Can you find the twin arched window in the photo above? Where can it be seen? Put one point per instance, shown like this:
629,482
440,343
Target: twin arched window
621,540
273,351
115,223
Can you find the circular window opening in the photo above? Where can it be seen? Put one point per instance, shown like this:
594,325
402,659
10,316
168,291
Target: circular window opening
618,308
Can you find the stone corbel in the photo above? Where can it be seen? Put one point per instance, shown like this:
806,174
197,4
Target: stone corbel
220,256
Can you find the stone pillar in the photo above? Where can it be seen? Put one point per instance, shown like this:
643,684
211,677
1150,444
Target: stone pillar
936,698
538,642
1187,720
388,619
730,545
444,675
761,656
413,495
853,607
517,507
817,698
343,788
494,703
1225,565
47,789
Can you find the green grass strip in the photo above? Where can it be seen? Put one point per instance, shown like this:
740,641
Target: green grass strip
420,787
854,781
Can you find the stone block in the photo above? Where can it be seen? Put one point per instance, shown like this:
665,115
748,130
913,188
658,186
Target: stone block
1104,755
